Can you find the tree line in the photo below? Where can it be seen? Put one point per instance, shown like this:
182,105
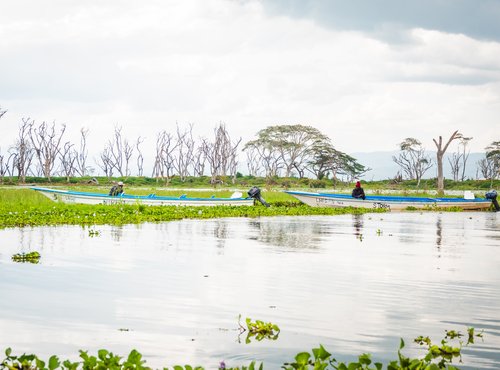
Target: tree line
40,150
414,162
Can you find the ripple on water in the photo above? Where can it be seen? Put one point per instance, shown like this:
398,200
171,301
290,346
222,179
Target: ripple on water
174,291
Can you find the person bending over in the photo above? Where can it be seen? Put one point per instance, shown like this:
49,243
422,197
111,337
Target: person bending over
117,189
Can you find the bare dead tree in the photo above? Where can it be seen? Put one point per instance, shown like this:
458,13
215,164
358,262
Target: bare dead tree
68,158
219,153
46,142
185,148
458,160
128,150
455,164
210,151
464,141
81,158
253,162
5,162
3,167
10,169
267,156
140,158
441,149
412,159
199,160
106,162
115,150
164,157
486,167
22,152
233,160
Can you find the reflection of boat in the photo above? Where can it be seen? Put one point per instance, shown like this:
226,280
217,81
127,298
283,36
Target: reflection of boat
68,196
390,203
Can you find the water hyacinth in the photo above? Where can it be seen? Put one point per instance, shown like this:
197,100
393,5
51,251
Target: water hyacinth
27,208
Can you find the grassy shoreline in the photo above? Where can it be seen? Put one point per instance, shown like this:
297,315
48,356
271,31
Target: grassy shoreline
20,206
24,207
246,182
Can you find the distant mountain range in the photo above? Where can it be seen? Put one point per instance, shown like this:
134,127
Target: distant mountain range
383,167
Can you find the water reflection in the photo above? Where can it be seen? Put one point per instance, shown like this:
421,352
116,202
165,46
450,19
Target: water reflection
439,233
358,225
286,232
117,233
180,286
220,233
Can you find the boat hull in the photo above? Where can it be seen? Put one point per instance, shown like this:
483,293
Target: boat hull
386,202
72,197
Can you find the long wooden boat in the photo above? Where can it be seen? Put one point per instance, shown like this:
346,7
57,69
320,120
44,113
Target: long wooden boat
390,203
80,197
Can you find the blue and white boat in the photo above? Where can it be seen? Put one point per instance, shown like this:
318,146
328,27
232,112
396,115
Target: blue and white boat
80,197
390,203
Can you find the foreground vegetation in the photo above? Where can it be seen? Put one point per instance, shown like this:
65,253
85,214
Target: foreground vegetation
437,356
25,207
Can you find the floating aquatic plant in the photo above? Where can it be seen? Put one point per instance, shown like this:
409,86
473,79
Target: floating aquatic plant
259,330
93,232
437,356
31,257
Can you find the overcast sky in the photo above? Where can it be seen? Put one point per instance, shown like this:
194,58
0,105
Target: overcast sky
366,73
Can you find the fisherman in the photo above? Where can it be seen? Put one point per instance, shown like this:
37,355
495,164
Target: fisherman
117,189
358,191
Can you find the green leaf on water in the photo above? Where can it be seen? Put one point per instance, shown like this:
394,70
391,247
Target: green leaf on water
302,358
54,362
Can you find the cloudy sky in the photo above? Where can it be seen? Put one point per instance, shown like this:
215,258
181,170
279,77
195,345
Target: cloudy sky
366,73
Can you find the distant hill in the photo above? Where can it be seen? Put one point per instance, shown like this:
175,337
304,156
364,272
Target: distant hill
383,167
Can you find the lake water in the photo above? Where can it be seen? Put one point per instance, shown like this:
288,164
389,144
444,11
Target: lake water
174,290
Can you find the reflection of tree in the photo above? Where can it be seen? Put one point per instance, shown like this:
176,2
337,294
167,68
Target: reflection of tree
297,234
117,233
357,223
220,233
439,231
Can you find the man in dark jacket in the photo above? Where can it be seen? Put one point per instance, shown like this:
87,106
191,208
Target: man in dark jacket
116,189
358,191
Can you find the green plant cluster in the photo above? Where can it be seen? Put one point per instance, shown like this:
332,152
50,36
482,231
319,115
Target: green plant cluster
31,257
260,330
19,208
438,356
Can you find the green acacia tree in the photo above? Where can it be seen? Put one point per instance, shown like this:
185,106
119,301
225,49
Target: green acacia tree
326,160
289,146
490,165
493,157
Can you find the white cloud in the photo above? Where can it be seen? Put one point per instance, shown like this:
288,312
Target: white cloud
146,66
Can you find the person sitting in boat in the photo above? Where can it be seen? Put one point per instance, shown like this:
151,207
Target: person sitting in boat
117,189
358,191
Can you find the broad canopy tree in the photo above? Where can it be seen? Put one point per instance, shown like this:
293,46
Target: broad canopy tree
493,156
301,148
326,161
293,143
